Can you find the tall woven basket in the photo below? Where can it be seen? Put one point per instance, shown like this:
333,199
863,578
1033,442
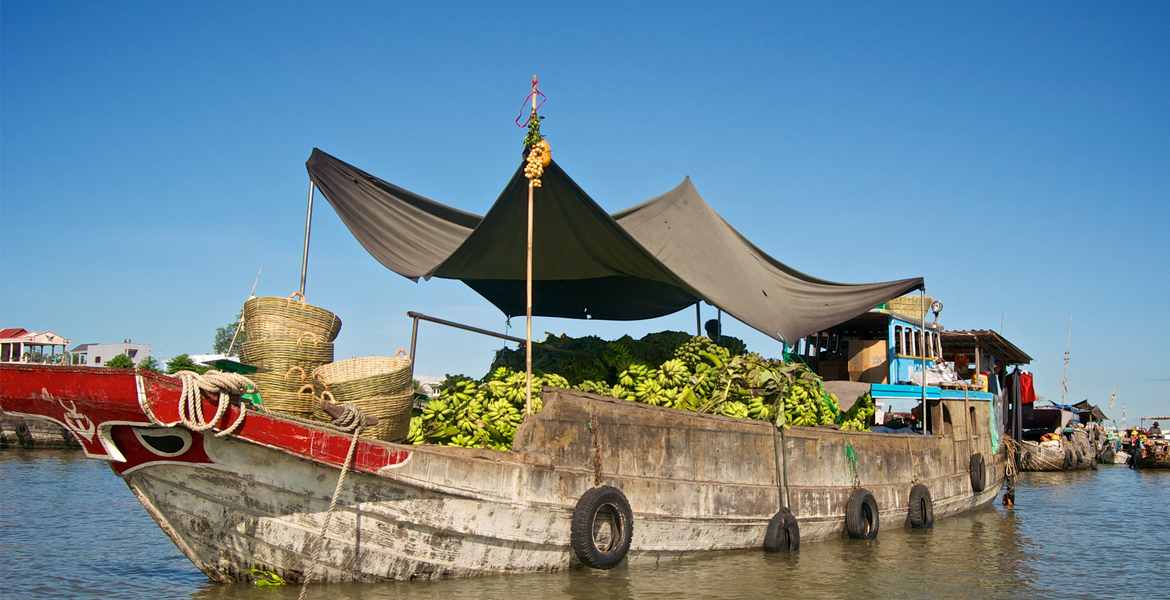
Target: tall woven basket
290,365
275,318
909,305
381,387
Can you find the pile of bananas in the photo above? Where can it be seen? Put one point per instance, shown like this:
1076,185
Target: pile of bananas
859,415
668,369
475,414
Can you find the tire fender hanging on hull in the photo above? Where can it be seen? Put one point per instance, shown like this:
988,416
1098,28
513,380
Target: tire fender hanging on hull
603,527
920,510
861,515
783,533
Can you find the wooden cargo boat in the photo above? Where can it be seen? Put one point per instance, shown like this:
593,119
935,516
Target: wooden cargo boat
588,479
1070,451
257,497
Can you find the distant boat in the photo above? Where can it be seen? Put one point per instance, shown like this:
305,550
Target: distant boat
1054,441
1152,450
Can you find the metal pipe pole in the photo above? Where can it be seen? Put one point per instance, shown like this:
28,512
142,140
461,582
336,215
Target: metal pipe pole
699,318
308,222
413,339
922,350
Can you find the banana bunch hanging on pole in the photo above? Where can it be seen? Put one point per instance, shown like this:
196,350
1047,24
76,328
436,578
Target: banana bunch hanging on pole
539,153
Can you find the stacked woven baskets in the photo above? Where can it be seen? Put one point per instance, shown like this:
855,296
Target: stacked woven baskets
381,387
910,305
290,338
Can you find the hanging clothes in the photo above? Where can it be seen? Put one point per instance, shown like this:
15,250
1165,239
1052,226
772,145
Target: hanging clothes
1027,392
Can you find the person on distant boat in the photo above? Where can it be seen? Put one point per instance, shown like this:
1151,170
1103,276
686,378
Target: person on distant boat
713,331
1155,430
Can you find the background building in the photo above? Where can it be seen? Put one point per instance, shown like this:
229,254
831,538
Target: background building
95,355
21,345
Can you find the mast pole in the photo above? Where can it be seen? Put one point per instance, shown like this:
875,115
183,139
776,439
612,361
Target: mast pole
1067,345
305,256
528,315
922,350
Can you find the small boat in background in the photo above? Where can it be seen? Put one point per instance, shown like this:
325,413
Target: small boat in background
1148,447
1054,440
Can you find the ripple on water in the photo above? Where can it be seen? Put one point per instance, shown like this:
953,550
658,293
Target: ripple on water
71,529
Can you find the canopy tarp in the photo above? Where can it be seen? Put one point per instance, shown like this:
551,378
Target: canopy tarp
647,261
730,272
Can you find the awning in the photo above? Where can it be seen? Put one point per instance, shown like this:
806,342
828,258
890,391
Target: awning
644,262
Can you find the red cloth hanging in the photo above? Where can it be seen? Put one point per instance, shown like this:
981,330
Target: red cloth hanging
1027,392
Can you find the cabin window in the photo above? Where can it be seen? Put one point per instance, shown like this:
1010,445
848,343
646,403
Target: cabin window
974,425
947,427
898,345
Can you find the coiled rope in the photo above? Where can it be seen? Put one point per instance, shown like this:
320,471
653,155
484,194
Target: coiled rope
351,420
1012,450
215,382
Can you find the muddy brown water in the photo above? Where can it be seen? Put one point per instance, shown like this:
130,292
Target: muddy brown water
69,528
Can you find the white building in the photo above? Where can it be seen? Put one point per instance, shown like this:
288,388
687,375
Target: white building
96,355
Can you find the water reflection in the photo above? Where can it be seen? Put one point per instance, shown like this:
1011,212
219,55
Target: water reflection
71,529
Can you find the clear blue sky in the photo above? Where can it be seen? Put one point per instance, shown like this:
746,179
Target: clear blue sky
1016,155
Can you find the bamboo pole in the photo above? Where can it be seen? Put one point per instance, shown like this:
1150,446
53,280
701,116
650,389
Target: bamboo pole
528,315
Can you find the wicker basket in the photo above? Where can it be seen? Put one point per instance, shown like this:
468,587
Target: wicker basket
909,305
275,318
279,355
393,414
289,392
381,387
290,365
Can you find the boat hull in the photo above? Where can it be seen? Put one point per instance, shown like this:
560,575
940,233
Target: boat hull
1074,455
257,498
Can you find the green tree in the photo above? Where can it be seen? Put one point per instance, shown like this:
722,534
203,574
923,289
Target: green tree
223,336
120,361
183,362
150,363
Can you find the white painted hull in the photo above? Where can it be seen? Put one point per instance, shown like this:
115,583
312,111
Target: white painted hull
258,497
463,512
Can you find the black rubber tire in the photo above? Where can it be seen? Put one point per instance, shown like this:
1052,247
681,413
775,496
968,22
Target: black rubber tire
978,473
1068,458
861,515
920,510
1026,457
783,533
609,503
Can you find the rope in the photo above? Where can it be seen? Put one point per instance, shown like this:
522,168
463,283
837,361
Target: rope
215,382
1013,449
351,420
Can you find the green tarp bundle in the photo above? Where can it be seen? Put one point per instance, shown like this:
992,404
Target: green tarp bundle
639,263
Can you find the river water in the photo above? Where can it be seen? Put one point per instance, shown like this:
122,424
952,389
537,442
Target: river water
69,528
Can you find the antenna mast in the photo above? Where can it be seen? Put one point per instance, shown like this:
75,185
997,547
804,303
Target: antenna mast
1066,347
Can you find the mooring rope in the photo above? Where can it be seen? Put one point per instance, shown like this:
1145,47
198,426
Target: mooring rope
215,382
351,420
1013,448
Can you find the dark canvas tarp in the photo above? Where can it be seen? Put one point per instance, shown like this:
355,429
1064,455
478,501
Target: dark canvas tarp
730,272
584,264
647,261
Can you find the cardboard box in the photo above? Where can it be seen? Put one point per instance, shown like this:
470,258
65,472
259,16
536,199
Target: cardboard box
869,360
833,369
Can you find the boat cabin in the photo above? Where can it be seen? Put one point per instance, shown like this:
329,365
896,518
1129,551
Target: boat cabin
885,352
